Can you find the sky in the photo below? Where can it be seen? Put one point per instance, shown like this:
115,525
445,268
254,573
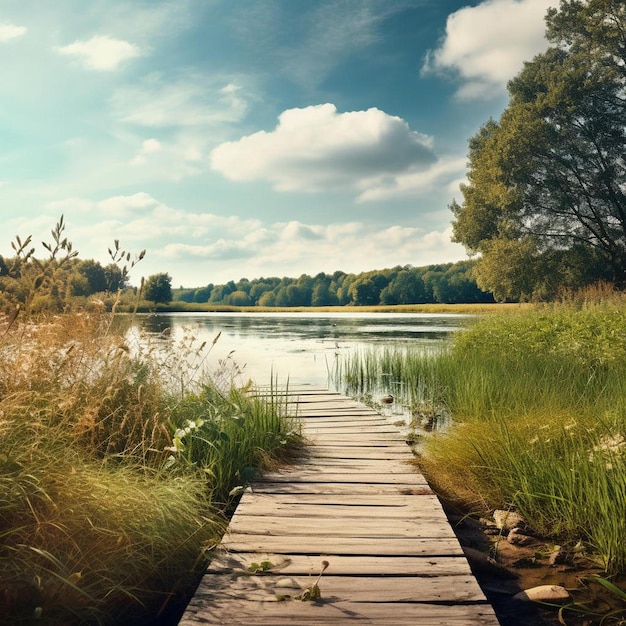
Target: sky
250,138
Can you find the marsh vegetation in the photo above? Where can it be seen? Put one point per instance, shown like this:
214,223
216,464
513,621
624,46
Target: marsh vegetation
117,470
119,461
538,402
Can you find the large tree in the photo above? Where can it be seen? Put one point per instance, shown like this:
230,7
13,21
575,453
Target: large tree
549,178
158,288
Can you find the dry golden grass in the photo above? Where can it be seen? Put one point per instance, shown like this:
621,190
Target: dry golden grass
106,502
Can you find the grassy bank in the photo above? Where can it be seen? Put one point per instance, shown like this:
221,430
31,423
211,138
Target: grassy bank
538,400
116,470
186,307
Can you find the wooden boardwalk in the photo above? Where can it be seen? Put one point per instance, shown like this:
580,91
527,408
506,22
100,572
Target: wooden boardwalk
354,501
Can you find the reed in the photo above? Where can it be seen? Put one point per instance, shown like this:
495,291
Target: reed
108,509
539,406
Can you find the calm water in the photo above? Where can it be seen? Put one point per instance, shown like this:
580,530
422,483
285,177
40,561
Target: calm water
299,347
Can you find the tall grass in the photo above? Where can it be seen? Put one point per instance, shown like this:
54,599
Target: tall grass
110,501
539,404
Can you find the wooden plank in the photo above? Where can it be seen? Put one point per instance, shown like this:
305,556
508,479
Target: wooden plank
382,589
378,527
350,417
323,415
273,506
368,439
338,565
352,466
319,476
330,613
320,546
357,426
355,452
368,442
358,465
341,488
396,501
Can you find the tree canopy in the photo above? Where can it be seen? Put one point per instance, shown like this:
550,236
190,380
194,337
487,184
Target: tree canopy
545,202
158,288
445,283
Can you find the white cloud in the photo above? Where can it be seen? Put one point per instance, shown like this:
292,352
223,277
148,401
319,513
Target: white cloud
317,149
486,45
175,159
148,147
115,206
294,248
10,31
197,248
353,247
127,205
446,172
101,52
193,100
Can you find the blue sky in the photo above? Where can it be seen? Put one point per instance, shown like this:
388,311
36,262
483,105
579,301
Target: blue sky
249,138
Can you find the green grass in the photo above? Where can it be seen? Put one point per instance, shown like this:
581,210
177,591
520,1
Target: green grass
109,507
538,399
129,305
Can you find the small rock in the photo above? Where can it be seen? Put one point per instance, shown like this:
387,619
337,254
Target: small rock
518,538
559,557
287,583
507,520
543,593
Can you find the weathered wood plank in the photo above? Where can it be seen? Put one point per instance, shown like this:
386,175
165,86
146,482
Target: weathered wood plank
387,528
398,443
330,429
321,476
355,452
309,565
395,501
257,507
367,438
320,546
312,487
382,589
358,465
331,613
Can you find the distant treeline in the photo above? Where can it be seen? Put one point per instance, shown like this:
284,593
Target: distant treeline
448,283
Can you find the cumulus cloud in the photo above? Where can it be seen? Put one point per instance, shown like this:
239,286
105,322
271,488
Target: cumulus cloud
316,149
173,159
193,100
115,206
306,248
101,52
447,172
486,45
148,147
10,31
353,247
199,247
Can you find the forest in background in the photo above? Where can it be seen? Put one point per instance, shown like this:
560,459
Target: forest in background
449,283
62,281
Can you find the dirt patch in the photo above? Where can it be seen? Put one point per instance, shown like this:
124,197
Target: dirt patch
503,570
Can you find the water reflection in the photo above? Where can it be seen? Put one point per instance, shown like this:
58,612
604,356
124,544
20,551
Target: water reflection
299,347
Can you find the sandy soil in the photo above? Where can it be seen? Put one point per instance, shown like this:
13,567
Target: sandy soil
516,568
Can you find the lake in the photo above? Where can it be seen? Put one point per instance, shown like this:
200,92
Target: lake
297,347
